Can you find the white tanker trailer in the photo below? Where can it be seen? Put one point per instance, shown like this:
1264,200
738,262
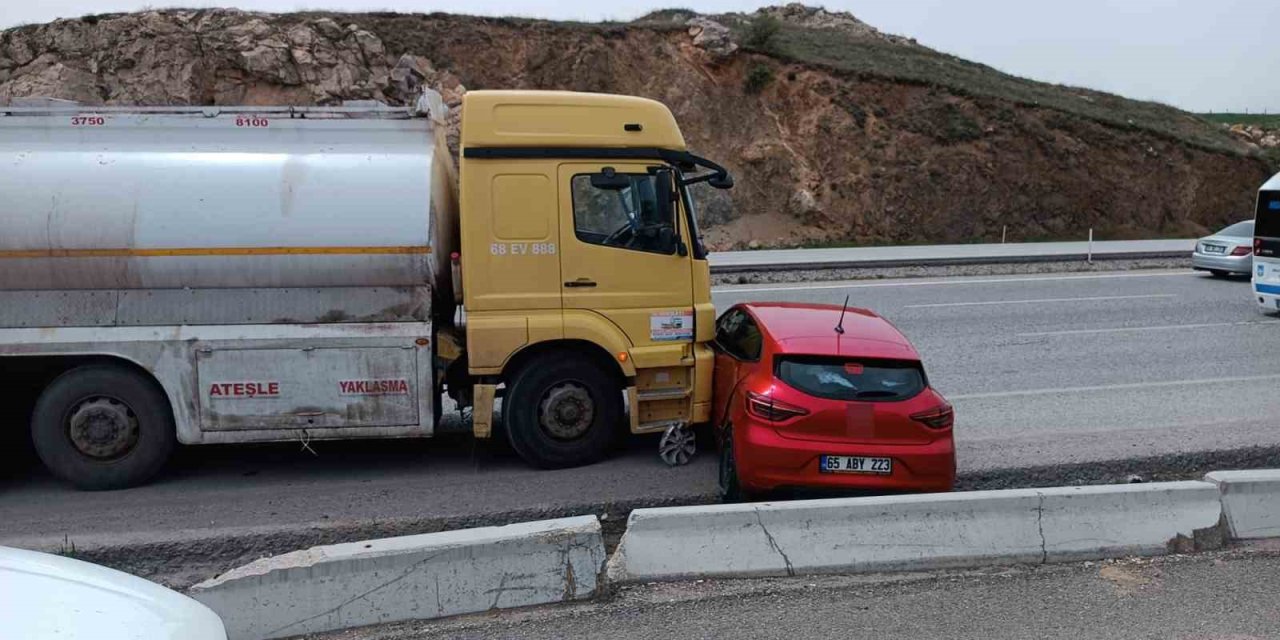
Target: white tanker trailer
223,275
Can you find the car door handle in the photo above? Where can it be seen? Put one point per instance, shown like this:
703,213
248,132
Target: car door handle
581,282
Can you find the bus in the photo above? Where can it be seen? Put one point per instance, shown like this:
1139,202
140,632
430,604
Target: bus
1266,246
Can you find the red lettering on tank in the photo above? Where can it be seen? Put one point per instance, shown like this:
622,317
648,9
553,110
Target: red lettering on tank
383,387
244,389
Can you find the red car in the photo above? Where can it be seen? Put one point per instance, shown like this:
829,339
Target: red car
820,396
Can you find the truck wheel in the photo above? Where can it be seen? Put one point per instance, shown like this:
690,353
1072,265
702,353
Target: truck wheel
103,427
562,412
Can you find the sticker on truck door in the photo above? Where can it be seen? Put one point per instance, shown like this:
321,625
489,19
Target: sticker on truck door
670,326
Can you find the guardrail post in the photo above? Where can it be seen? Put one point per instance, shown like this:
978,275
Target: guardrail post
1090,245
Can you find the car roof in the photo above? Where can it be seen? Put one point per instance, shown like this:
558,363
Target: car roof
807,328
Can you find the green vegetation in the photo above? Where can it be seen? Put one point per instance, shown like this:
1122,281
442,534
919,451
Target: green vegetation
757,79
875,58
1265,120
760,33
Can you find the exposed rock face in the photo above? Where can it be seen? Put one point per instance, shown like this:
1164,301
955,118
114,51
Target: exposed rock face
711,36
1255,135
819,18
819,156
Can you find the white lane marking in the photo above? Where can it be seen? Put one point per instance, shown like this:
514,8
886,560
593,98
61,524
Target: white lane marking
906,282
1112,387
1164,327
990,302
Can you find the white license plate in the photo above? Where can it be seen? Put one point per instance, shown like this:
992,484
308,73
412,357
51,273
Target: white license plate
855,464
1208,248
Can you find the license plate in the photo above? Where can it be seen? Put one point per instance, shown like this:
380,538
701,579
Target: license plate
855,464
1209,248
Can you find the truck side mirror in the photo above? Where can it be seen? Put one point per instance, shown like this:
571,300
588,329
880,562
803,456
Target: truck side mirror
723,181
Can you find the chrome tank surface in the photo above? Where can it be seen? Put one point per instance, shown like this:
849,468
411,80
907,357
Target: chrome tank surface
209,198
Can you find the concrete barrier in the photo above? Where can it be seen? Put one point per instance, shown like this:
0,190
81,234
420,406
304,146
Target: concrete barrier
412,577
916,532
1250,501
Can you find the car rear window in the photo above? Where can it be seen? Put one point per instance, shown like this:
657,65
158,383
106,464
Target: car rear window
852,379
1238,230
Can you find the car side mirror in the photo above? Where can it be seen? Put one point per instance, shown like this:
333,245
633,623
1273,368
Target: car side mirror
610,180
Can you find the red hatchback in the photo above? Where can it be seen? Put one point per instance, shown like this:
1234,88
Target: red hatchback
817,396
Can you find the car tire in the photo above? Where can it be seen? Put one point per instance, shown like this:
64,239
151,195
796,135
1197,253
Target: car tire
727,480
103,427
587,400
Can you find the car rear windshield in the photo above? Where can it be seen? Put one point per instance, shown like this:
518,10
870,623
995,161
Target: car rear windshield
851,379
1268,218
1238,230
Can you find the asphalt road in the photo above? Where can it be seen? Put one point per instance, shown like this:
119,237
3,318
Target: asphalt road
1220,596
1043,370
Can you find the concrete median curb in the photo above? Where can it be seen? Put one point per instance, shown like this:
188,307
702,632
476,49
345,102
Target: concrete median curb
1250,502
730,262
917,532
412,577
551,561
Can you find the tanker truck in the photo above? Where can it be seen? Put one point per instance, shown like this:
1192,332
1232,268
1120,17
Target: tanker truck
215,275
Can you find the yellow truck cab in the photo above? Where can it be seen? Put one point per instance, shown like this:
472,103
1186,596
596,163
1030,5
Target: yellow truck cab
584,285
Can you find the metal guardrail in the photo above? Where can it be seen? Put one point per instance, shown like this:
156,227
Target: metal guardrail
944,255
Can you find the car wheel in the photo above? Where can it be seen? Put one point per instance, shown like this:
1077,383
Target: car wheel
562,412
103,427
730,487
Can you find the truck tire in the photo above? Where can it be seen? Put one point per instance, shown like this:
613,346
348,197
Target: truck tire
562,412
103,427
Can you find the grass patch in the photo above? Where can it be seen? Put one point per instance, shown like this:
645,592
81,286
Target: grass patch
757,79
759,33
874,58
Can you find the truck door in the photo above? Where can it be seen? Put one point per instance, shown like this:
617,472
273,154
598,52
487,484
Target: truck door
618,258
622,260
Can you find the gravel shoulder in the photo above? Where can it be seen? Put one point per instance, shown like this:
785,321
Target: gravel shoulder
1225,595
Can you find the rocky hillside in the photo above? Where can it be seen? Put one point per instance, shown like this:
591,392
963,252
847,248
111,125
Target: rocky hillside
838,133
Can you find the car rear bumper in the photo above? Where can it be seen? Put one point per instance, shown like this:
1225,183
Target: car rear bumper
1233,264
768,461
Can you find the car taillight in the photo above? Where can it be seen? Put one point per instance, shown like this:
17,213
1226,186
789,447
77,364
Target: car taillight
939,417
766,408
1242,251
1257,246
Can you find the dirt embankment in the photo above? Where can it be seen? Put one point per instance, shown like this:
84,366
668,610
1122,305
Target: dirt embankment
823,155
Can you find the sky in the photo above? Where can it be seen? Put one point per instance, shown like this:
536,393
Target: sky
1199,55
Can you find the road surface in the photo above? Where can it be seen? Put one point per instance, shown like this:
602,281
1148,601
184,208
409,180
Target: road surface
1219,596
1043,371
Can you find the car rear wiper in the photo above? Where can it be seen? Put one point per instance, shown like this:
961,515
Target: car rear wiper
878,393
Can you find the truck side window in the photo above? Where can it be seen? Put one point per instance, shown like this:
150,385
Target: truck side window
626,218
